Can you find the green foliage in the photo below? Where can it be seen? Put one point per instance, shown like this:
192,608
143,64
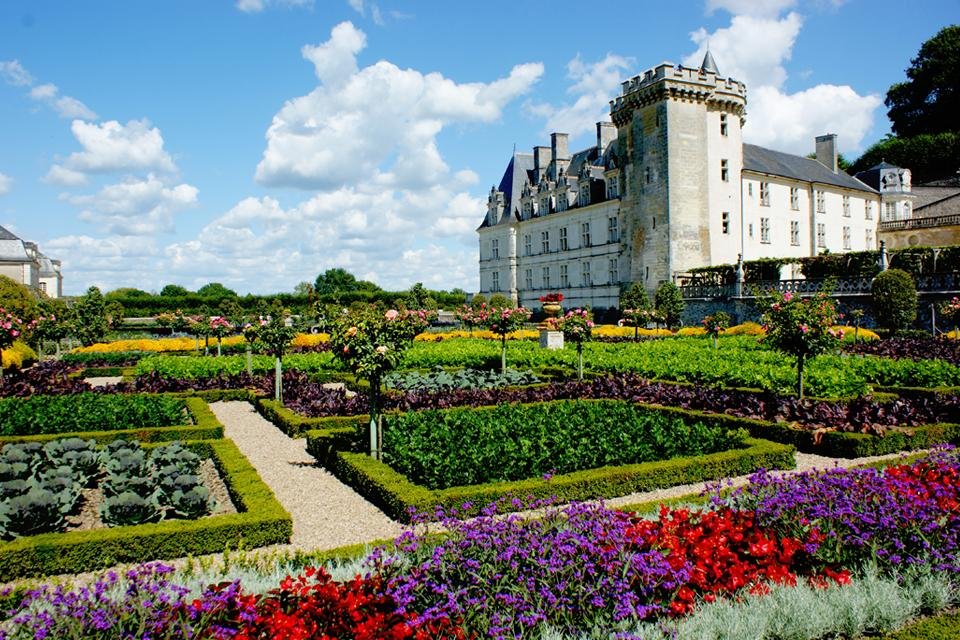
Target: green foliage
87,412
274,335
173,290
216,290
335,281
668,302
929,156
943,627
126,292
453,447
894,299
113,311
500,301
635,297
441,380
478,301
370,343
929,101
17,299
89,323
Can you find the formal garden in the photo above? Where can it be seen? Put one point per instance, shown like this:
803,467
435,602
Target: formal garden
791,478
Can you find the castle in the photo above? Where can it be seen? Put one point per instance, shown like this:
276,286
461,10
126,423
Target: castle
670,186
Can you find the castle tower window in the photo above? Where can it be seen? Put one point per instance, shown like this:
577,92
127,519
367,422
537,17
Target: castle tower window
528,278
545,277
613,272
795,198
725,170
821,201
795,233
765,230
846,206
821,234
564,245
764,194
527,244
725,222
545,241
495,281
585,235
564,277
495,249
585,280
723,124
613,229
846,238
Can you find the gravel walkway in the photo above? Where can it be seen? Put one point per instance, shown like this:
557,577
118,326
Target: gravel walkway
326,513
102,381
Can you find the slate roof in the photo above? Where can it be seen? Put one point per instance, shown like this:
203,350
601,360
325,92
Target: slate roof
12,248
6,235
519,170
787,165
871,176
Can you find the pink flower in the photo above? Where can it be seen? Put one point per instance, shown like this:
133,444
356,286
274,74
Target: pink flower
787,297
391,314
804,328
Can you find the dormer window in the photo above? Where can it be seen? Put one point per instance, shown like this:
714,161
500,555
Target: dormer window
562,201
544,206
585,195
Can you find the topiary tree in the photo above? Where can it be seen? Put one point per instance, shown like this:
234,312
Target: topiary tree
715,324
275,336
801,327
577,327
668,302
220,327
634,306
89,317
370,343
894,297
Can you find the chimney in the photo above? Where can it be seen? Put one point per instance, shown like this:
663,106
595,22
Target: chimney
541,159
827,151
559,146
606,133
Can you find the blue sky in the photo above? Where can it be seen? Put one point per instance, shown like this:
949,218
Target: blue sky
258,143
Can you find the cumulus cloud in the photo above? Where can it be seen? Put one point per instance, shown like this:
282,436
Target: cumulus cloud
6,182
592,86
114,147
755,48
135,206
256,6
377,122
65,106
64,177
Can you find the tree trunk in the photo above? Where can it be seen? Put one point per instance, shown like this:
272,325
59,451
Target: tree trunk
375,438
503,353
219,351
714,341
579,361
800,376
58,349
278,381
249,362
636,330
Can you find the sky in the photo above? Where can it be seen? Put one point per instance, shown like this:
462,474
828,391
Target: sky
258,143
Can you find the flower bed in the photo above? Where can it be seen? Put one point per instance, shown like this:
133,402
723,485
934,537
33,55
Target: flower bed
440,449
580,571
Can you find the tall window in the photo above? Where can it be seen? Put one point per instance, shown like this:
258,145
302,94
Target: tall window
585,234
846,238
564,277
725,222
613,229
613,271
891,210
545,278
612,188
764,194
545,241
750,189
43,287
562,201
868,237
544,206
527,209
527,244
528,279
723,124
495,249
868,210
821,201
585,274
795,198
795,233
585,193
846,206
821,234
495,281
725,170
765,230
563,239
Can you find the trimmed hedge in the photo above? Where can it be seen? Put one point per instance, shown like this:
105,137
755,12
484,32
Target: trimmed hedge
36,415
398,497
205,427
295,425
261,521
941,627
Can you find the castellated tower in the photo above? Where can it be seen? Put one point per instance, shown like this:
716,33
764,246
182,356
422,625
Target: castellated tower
681,154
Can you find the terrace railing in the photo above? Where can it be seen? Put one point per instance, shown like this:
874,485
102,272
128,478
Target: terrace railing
939,282
920,223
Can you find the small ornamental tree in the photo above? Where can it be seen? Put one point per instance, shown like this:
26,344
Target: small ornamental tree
577,327
370,343
164,321
11,328
951,312
668,302
634,305
220,327
275,336
715,324
801,327
49,327
251,333
466,315
894,298
501,322
180,322
857,315
89,317
200,328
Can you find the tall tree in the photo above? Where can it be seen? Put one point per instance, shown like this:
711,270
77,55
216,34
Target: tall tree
172,290
929,101
89,317
335,280
216,290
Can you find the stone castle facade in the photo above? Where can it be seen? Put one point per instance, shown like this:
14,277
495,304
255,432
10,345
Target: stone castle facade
669,186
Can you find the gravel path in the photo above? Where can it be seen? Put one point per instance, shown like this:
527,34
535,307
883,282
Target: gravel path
102,381
326,513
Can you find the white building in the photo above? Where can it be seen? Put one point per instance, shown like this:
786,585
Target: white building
668,186
22,262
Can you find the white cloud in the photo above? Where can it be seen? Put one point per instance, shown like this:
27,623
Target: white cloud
256,6
14,74
378,123
114,147
135,207
593,84
755,48
65,106
65,177
357,5
6,182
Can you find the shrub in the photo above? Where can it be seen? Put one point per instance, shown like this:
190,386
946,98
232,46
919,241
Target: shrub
668,302
88,412
894,298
